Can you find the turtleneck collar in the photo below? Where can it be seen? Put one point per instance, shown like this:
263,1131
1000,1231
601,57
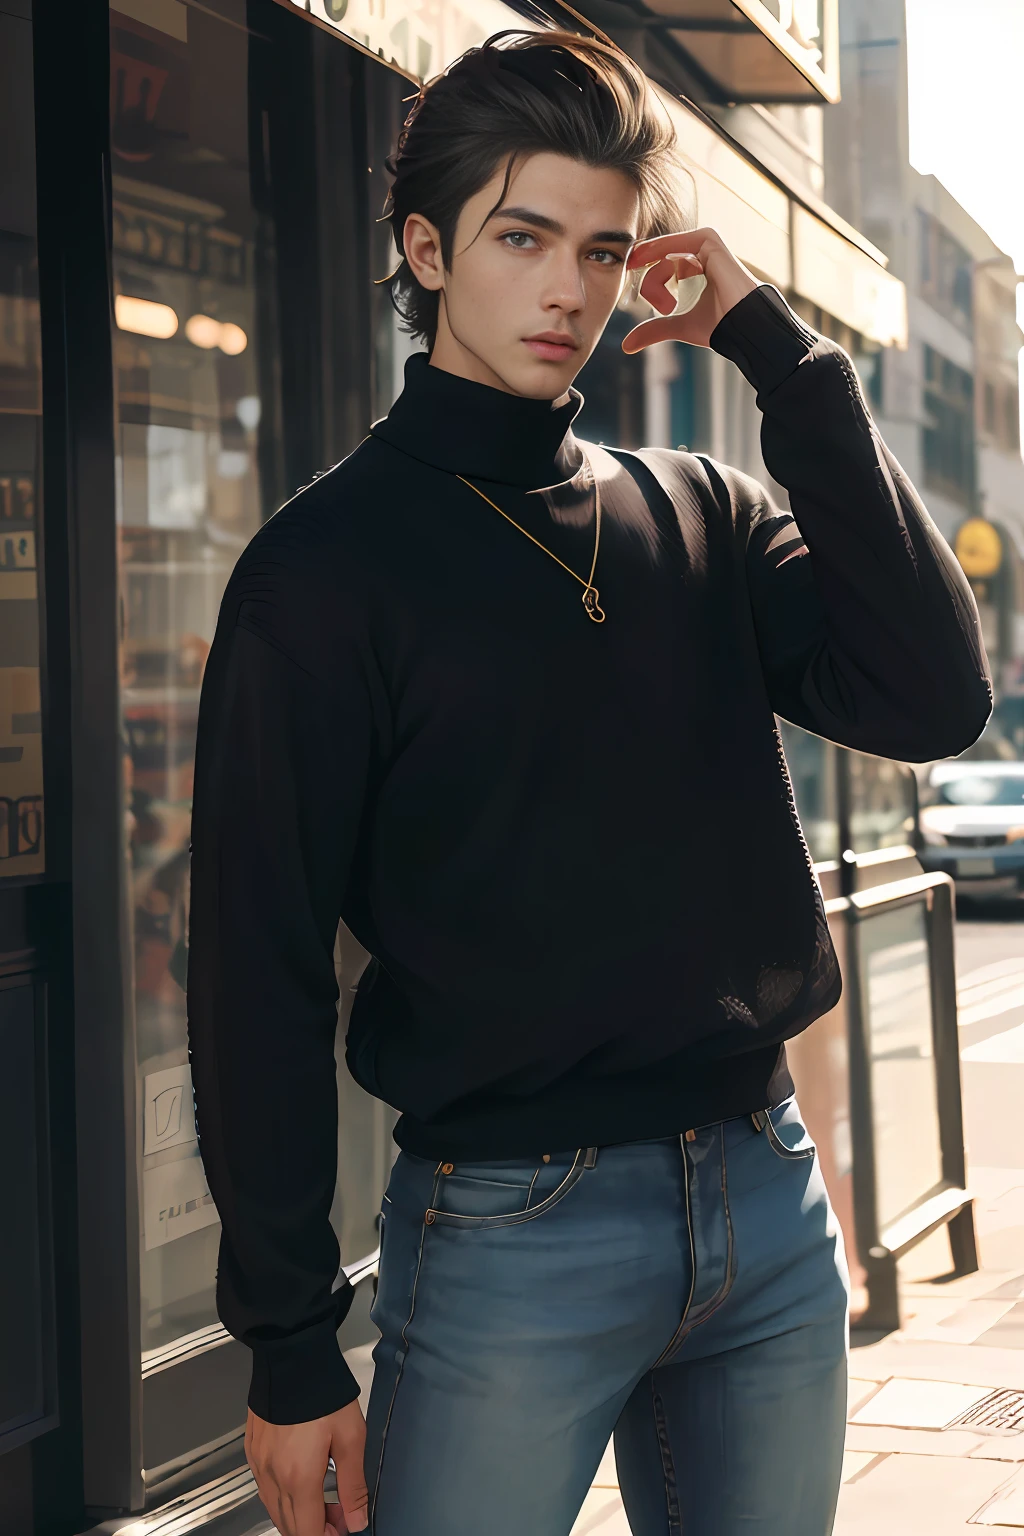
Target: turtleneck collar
483,433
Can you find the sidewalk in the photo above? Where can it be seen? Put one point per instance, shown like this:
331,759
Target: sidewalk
910,1467
918,1462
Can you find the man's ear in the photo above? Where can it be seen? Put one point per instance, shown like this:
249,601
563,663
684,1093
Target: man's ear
421,241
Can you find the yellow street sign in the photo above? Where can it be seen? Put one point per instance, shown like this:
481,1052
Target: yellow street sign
978,547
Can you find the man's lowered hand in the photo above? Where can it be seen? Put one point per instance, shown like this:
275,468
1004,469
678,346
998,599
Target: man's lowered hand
289,1462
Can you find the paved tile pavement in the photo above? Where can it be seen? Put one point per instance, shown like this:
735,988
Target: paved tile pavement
965,1333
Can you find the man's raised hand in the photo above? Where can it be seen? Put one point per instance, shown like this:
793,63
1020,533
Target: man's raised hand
683,255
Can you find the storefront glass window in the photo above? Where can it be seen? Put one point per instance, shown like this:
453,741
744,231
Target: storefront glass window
812,770
948,437
189,497
21,742
242,368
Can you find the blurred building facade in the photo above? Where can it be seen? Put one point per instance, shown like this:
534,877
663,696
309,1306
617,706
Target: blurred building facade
189,330
948,405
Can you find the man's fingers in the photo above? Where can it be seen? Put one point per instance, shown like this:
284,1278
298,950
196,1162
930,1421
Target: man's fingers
352,1496
348,1444
666,328
303,1512
292,1497
354,1508
288,1462
675,265
645,252
271,1500
335,1520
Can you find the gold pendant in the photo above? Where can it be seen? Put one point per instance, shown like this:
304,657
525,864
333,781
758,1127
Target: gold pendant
593,607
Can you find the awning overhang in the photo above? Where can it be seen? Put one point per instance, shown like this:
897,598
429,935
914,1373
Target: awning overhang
758,50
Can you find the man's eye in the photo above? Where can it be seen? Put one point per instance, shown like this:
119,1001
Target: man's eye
517,235
612,258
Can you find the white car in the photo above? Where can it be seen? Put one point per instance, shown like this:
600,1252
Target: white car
972,825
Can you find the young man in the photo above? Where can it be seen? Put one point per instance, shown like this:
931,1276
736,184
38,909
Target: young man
504,702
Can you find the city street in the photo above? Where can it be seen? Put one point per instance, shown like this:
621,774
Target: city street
906,1471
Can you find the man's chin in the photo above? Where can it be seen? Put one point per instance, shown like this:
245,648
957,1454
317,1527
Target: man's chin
513,366
536,379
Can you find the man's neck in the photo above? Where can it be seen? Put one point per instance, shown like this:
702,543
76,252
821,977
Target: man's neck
465,427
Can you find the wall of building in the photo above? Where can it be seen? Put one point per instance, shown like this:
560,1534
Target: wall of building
949,405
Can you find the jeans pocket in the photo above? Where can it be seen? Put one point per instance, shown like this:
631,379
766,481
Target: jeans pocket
786,1133
481,1195
481,1189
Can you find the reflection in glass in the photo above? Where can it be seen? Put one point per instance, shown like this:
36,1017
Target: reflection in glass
21,741
242,368
896,990
188,502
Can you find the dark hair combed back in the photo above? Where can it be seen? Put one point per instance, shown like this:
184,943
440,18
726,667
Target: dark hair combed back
517,94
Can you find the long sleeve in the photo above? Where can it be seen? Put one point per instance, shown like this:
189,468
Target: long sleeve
868,630
281,773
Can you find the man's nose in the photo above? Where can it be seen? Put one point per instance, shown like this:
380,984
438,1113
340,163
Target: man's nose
567,289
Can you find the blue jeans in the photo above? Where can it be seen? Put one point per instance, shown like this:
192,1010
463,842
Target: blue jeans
688,1296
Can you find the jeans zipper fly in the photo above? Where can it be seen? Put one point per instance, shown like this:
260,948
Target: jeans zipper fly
673,1341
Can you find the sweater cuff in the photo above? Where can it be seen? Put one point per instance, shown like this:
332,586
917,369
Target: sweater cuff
303,1376
764,338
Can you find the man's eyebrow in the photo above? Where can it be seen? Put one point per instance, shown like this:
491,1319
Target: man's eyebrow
553,227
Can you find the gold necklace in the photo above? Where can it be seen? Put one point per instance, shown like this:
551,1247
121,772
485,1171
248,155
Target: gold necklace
590,593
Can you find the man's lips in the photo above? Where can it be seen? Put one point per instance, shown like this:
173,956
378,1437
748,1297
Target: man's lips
548,347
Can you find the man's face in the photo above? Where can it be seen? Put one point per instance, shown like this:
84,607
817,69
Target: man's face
550,263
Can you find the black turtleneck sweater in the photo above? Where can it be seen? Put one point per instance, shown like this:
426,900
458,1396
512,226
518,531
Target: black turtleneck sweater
570,848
